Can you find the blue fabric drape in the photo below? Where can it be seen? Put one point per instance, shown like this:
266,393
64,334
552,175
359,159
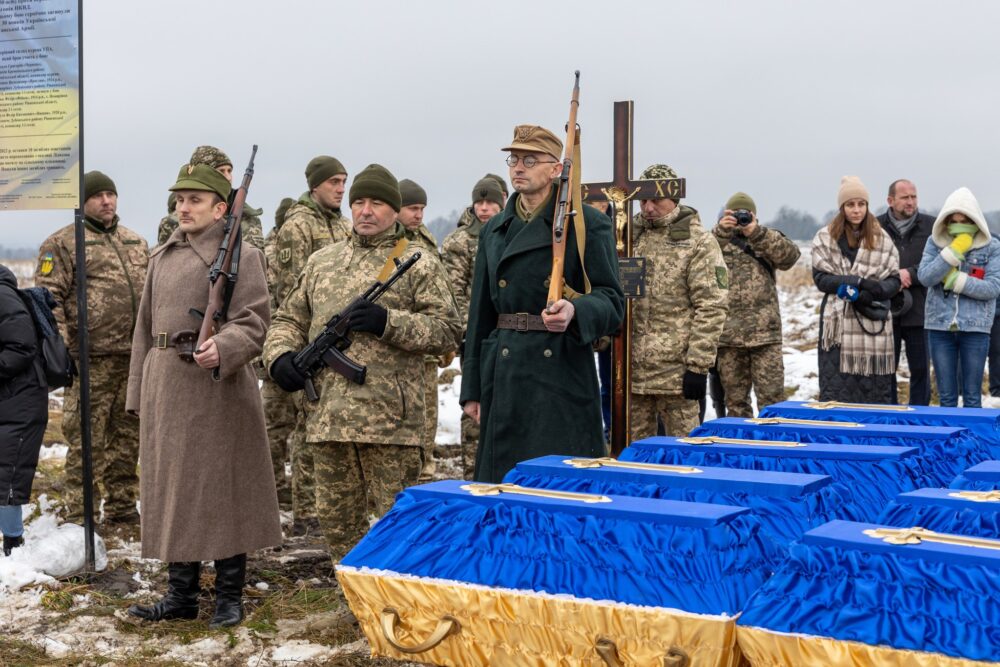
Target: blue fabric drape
873,483
893,598
783,519
703,569
982,477
983,422
934,510
944,452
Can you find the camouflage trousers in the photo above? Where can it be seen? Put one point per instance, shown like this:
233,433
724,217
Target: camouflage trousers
470,443
114,443
303,467
679,415
279,415
430,419
356,483
741,368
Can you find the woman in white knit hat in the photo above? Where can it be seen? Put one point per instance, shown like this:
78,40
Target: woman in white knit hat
961,268
856,266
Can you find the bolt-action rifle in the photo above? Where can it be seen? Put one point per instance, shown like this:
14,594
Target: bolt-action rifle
564,202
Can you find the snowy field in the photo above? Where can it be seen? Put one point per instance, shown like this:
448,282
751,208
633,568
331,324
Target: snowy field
49,618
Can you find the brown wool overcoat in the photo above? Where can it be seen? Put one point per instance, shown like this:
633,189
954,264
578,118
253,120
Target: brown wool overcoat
206,482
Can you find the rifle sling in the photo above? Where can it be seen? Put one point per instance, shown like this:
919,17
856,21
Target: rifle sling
390,263
579,222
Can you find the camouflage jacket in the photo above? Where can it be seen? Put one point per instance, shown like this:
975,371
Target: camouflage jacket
389,407
753,296
676,327
270,241
307,228
459,255
422,238
253,230
116,269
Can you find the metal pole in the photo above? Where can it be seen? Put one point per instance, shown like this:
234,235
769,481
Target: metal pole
83,336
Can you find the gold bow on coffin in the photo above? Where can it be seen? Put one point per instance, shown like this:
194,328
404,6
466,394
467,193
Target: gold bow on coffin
810,422
918,535
829,405
977,496
717,440
497,489
608,462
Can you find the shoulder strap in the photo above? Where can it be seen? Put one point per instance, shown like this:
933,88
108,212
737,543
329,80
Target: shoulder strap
396,253
579,222
742,244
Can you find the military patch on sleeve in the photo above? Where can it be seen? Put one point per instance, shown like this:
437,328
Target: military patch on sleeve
285,255
722,277
47,263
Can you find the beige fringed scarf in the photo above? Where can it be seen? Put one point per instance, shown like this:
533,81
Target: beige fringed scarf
860,353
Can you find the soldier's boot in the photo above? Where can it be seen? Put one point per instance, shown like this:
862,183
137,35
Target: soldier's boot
230,577
11,543
181,600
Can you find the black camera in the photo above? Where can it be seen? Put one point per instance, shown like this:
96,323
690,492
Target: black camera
743,217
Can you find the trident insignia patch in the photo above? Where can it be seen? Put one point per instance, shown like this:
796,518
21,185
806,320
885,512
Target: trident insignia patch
47,264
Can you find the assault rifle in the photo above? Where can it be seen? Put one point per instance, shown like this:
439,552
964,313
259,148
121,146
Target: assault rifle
327,350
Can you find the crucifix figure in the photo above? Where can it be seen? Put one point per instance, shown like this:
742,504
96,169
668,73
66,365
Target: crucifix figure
620,192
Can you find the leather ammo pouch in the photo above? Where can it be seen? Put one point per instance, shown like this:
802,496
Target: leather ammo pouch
183,341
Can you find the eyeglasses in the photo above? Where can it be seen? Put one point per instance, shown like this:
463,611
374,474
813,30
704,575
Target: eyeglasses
528,161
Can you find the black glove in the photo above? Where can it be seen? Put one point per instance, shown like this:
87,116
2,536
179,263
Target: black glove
286,375
693,386
873,286
367,316
865,298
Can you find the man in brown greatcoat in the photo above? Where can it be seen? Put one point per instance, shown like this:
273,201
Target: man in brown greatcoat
207,487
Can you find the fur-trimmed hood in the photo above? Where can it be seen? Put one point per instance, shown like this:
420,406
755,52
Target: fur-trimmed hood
964,202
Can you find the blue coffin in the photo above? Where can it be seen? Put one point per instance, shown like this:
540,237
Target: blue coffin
787,504
982,477
874,474
983,422
901,588
695,557
944,451
958,511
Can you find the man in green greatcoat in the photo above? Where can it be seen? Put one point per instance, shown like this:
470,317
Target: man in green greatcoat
528,376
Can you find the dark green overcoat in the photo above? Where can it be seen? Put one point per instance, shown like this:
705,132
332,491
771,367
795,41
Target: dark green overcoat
538,391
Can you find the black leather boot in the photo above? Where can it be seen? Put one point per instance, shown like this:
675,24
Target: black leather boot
230,577
11,543
181,600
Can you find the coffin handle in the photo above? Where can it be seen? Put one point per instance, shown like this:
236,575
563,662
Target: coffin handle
608,652
446,626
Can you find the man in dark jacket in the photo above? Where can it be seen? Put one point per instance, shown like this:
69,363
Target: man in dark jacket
909,230
528,375
23,409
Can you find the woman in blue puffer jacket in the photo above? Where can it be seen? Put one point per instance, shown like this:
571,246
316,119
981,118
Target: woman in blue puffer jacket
961,267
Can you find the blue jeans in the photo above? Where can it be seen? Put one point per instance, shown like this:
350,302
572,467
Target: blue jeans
10,520
955,351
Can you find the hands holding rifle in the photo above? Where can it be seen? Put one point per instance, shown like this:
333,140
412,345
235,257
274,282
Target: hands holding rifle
557,317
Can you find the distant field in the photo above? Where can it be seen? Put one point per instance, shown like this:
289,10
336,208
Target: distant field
24,270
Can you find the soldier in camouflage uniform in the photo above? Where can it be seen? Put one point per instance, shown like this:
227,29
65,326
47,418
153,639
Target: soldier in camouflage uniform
676,327
365,439
311,223
279,406
117,259
169,222
411,216
750,347
250,224
489,195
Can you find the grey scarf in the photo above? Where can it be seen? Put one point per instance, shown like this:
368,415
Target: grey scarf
903,226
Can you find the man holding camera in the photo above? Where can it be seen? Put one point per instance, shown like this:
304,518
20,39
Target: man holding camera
750,347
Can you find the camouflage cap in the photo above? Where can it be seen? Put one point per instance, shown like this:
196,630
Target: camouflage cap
656,172
211,156
501,182
535,139
171,203
279,213
202,177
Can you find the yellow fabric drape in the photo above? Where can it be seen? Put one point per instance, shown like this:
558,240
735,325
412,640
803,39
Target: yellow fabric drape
768,649
505,627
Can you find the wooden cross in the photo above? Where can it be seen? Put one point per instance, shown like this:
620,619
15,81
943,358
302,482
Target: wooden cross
620,192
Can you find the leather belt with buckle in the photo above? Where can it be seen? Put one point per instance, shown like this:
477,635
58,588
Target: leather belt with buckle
184,341
521,322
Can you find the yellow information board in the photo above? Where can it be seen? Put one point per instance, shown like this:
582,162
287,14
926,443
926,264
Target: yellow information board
39,104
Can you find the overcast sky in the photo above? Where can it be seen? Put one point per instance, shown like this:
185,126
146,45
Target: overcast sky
777,98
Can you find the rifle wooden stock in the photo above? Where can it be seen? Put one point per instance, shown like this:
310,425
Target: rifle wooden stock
563,202
222,276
